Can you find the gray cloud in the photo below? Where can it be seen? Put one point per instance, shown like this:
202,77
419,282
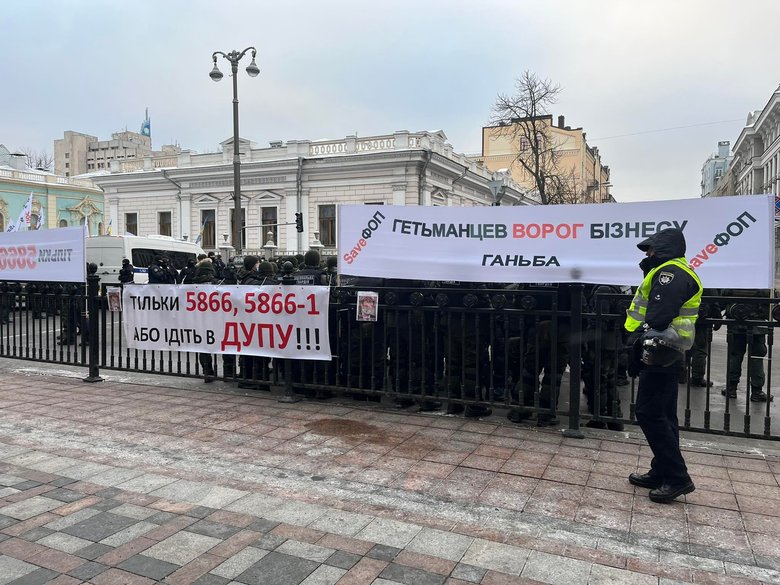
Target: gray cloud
333,68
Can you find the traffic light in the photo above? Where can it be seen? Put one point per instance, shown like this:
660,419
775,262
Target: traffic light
299,222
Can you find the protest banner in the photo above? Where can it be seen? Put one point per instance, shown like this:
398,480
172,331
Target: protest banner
55,255
730,241
272,321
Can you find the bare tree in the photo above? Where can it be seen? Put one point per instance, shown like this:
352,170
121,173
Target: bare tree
38,159
525,118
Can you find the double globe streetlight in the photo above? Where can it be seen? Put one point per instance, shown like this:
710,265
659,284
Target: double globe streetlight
253,70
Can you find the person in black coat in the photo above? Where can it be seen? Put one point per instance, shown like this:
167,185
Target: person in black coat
252,367
187,273
159,273
204,274
127,272
665,307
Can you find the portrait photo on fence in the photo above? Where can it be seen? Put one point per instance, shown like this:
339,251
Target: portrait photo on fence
114,295
367,305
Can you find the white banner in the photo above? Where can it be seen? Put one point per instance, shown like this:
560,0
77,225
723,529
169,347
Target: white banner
730,241
273,321
55,255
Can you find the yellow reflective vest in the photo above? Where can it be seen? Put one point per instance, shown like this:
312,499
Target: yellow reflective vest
683,324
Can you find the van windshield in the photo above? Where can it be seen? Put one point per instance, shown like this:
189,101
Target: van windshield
143,257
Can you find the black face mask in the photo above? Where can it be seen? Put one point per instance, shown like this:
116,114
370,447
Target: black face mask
647,264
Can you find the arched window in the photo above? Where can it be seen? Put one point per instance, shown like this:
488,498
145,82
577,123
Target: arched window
2,223
100,228
33,221
63,223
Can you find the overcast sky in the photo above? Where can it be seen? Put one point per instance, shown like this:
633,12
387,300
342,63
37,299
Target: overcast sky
338,67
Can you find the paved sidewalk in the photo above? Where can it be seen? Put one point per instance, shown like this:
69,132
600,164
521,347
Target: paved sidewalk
126,483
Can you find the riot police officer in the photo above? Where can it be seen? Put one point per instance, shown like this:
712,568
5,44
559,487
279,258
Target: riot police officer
546,355
602,340
159,272
251,366
187,273
126,273
311,272
697,355
742,337
204,274
463,335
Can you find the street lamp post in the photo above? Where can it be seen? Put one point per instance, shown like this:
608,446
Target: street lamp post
234,57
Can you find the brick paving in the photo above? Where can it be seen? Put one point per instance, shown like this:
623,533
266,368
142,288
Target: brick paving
120,483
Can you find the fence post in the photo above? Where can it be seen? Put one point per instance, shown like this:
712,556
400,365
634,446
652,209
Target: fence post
289,395
575,363
93,310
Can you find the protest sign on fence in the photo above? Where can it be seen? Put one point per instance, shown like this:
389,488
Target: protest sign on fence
730,241
273,321
55,255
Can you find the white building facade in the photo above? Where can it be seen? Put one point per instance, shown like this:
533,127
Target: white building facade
715,167
756,163
190,196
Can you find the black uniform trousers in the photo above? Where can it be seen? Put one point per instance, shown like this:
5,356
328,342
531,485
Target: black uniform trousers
656,413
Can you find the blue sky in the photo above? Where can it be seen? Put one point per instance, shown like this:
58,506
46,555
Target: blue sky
340,67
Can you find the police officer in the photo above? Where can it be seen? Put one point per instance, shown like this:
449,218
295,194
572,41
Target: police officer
409,334
126,273
742,337
204,274
331,271
463,337
229,272
159,272
311,271
665,306
697,355
251,366
6,297
35,295
219,266
188,272
546,354
602,341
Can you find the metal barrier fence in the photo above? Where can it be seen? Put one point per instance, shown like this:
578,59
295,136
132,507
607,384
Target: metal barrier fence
540,355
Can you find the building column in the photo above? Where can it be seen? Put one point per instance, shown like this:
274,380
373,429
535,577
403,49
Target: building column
777,174
185,218
51,211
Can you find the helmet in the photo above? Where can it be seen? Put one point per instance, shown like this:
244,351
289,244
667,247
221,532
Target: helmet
659,350
312,258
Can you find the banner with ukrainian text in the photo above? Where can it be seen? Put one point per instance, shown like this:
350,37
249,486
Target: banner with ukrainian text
272,321
730,241
55,255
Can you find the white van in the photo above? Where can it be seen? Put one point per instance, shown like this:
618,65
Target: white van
109,251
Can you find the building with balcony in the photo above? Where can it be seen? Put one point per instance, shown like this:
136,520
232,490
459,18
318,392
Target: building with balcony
188,195
575,161
714,168
57,201
756,163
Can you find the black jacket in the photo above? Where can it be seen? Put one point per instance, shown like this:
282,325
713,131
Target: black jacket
309,275
204,272
126,273
160,275
672,286
253,278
